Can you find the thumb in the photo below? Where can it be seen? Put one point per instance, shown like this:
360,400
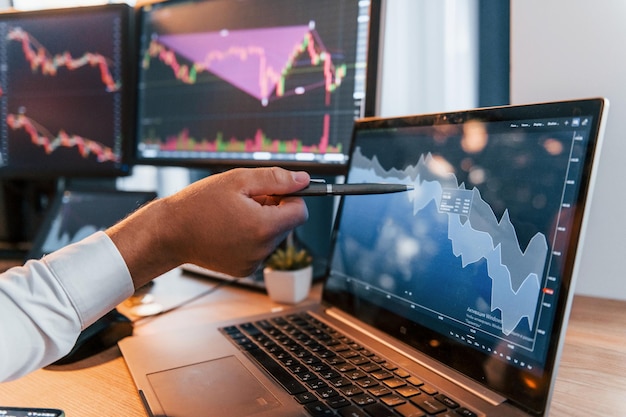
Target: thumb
277,181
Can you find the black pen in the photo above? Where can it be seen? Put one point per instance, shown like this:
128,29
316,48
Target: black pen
321,189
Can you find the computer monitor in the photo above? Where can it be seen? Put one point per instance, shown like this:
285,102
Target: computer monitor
225,83
66,79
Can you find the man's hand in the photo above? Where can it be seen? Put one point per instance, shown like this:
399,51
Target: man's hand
227,222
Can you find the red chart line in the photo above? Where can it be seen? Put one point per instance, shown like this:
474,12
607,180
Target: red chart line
84,146
40,59
269,78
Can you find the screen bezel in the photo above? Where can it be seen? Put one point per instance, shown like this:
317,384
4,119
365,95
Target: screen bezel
369,106
127,120
464,359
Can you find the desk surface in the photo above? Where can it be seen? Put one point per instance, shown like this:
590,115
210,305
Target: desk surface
593,364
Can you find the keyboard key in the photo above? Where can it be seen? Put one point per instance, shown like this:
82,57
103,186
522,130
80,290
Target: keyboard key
326,392
330,374
370,367
393,400
297,368
447,401
465,412
415,381
340,348
340,382
380,375
408,391
311,360
345,367
352,411
350,390
367,382
319,367
336,361
284,378
305,397
379,391
338,402
429,389
389,366
363,399
428,404
306,376
360,360
316,384
379,410
318,409
409,410
349,354
394,382
356,374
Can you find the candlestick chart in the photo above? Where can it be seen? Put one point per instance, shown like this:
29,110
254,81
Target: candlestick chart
260,142
257,61
282,88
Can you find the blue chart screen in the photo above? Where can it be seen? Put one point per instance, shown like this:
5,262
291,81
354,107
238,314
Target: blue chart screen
475,251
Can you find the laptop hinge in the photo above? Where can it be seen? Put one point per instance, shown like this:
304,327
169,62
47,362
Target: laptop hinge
471,386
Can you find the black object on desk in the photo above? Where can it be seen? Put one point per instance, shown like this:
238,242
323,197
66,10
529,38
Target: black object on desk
101,335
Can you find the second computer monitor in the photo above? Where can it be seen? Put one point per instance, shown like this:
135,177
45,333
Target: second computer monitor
227,83
66,84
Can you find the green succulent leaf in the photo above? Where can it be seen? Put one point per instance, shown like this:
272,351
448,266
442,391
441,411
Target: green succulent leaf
289,259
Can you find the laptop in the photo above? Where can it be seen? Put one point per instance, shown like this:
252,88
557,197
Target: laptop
76,214
450,299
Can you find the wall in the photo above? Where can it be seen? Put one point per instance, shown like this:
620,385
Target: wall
429,56
569,49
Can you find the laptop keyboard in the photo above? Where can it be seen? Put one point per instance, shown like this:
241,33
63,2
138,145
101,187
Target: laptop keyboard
331,375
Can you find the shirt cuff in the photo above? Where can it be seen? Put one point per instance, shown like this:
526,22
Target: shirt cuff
93,274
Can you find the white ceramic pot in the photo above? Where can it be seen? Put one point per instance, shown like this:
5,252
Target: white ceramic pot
289,287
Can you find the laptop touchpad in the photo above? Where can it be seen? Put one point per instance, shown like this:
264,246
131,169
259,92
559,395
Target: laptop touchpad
220,387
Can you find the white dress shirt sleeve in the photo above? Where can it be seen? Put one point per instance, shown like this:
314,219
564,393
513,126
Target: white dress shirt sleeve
45,304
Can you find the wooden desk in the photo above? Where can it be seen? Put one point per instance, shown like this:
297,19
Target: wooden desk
593,364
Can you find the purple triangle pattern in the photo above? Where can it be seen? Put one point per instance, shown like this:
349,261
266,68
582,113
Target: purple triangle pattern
251,60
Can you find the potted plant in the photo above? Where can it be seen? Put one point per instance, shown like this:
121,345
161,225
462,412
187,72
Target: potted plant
288,274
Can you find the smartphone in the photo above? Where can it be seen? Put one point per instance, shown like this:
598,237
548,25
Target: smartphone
30,412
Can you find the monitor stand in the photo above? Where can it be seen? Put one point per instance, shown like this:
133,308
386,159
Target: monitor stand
23,204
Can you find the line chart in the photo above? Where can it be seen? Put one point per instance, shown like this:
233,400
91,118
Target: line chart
269,55
40,59
40,136
481,251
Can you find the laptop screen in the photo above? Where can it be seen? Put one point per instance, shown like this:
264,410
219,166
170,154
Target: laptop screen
76,214
473,266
